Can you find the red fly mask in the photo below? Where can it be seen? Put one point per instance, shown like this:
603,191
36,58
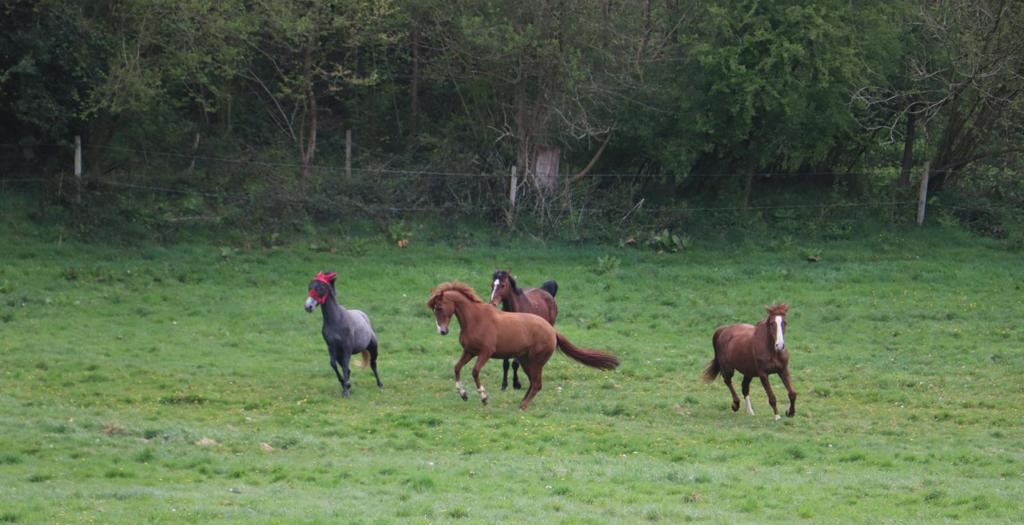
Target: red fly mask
327,279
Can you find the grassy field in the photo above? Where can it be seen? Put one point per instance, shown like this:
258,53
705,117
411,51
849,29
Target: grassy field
117,364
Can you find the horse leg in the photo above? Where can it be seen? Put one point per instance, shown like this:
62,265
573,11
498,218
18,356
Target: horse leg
727,377
533,364
516,385
792,393
504,374
745,387
466,356
532,369
771,395
346,385
334,365
372,348
481,360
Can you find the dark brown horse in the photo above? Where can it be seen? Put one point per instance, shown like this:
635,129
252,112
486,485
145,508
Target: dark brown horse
488,332
538,301
754,351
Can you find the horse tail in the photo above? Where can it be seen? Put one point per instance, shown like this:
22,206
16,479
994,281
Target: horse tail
592,358
711,372
550,287
366,359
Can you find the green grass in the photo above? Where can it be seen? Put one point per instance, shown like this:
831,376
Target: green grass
115,360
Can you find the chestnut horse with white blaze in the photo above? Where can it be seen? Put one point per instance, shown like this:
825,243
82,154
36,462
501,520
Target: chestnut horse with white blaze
754,351
488,332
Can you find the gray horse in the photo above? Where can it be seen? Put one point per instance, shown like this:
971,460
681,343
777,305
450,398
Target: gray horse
345,331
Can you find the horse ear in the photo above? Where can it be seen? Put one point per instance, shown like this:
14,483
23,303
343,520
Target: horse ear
331,276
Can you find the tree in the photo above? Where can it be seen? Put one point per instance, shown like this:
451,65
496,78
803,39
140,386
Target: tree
978,85
311,50
540,76
777,77
963,82
49,52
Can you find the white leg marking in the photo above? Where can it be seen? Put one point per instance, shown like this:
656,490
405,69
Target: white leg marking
460,389
750,409
777,417
483,393
780,341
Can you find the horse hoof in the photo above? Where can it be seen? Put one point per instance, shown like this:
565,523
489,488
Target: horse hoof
517,386
484,401
345,393
504,387
735,407
790,414
465,397
777,417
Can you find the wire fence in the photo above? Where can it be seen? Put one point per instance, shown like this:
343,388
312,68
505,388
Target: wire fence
339,168
334,177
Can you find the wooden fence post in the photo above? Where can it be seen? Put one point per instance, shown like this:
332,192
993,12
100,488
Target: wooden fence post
922,198
78,168
513,186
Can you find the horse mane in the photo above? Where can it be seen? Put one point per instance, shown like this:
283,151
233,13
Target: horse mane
511,280
777,309
454,286
515,287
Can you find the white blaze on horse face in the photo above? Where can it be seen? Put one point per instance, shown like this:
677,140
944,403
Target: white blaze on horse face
750,409
438,314
780,341
310,303
494,288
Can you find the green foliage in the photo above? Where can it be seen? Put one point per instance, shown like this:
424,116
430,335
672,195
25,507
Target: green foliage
666,241
812,254
776,77
399,233
51,56
607,264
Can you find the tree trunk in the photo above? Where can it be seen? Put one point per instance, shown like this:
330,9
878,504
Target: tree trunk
309,146
593,160
747,189
908,151
522,136
310,149
414,87
546,167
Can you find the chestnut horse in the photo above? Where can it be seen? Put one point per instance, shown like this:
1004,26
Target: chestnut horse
538,301
488,332
754,351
